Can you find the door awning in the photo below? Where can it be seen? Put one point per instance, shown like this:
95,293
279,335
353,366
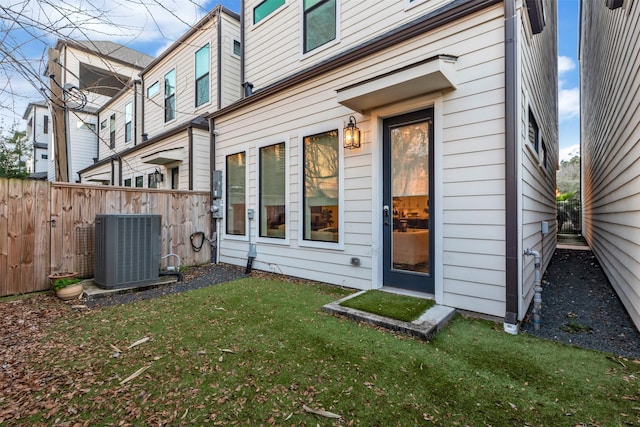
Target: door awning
163,157
430,75
100,177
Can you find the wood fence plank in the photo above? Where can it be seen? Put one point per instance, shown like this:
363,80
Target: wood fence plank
68,230
15,236
27,267
41,251
4,236
56,228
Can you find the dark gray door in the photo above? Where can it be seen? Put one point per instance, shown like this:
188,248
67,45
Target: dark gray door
407,201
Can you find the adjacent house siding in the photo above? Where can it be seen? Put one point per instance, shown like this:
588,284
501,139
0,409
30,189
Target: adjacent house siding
470,145
538,56
82,147
230,71
610,133
117,107
358,21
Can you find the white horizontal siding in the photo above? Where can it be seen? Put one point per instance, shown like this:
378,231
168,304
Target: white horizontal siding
201,160
610,91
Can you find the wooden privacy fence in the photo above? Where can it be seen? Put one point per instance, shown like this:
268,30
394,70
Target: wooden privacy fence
47,227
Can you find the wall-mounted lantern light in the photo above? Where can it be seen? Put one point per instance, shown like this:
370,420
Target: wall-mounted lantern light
158,175
351,134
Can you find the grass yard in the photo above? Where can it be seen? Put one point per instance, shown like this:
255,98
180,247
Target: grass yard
257,352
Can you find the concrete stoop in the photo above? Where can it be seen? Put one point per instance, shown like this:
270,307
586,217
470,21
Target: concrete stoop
92,291
425,327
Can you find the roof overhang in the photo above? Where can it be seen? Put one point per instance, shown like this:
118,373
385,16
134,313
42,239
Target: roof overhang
164,157
431,75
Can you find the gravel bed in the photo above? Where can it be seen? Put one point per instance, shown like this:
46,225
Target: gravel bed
193,278
579,307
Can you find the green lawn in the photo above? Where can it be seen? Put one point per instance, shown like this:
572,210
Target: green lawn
394,306
254,351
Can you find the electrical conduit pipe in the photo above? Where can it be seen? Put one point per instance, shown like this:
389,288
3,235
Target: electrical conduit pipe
537,287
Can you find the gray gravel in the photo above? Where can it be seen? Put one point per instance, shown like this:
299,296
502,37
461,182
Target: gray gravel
579,307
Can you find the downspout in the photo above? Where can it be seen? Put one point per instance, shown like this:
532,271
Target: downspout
142,92
242,50
135,112
511,169
219,59
190,137
113,170
120,171
213,241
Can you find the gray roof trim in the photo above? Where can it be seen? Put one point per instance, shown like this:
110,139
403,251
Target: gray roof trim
112,51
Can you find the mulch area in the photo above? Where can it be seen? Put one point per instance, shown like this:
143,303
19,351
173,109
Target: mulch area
580,307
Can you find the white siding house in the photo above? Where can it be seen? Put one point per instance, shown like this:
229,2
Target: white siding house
444,193
610,138
92,73
152,133
38,133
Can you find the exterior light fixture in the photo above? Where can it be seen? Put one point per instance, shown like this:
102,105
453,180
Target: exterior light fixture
351,134
158,175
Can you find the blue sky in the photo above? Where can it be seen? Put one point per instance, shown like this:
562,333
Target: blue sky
153,30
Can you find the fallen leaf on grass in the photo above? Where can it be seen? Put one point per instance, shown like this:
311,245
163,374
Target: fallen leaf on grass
135,374
321,412
140,341
226,350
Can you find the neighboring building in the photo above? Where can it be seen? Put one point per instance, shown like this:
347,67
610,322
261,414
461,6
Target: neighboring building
92,73
38,134
153,134
610,141
456,105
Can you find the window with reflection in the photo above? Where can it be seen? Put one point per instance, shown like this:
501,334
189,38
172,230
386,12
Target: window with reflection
321,187
272,191
202,75
319,23
236,194
170,95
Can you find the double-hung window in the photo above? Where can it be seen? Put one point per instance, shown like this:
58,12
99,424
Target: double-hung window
202,75
266,8
319,23
272,191
534,132
321,187
170,95
127,122
236,194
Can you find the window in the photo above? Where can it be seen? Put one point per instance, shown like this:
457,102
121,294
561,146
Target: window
202,75
103,124
46,124
84,125
112,131
153,90
534,132
127,122
266,8
175,178
139,181
321,187
236,48
44,156
170,95
152,180
319,23
272,191
127,182
236,194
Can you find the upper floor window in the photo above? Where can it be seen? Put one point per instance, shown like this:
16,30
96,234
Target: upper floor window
534,132
170,95
319,23
103,125
127,122
266,8
202,75
237,47
153,89
46,124
321,201
236,194
112,131
273,191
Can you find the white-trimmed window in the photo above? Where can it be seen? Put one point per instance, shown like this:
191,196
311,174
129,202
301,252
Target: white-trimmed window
128,114
236,191
236,48
321,193
202,75
139,181
153,90
152,180
272,192
266,8
319,21
170,95
534,132
112,131
127,182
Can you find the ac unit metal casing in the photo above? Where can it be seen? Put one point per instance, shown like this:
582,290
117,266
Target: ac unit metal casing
127,250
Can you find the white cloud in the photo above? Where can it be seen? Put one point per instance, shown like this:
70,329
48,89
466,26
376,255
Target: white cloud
565,64
569,103
569,152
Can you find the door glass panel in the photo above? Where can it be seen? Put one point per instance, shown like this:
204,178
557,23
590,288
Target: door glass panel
410,197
